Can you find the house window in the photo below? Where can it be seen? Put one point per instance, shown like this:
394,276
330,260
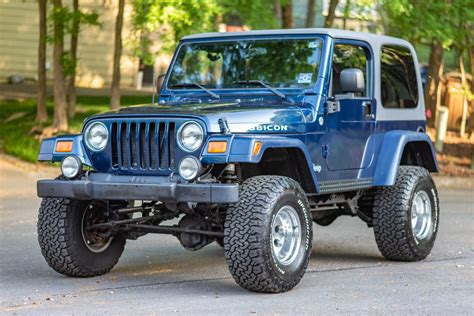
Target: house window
399,85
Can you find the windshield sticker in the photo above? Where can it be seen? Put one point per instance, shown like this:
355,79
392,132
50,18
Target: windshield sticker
313,44
305,77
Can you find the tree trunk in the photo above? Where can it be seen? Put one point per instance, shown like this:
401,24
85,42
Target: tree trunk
59,88
310,15
72,77
276,10
115,90
435,73
331,14
465,87
287,21
41,112
347,10
471,62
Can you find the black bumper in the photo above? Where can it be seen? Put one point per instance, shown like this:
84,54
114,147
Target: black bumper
97,186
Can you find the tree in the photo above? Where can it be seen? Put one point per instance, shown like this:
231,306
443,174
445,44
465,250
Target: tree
115,89
258,14
73,21
173,20
73,55
41,111
403,20
60,121
287,21
435,75
347,10
310,15
461,25
329,21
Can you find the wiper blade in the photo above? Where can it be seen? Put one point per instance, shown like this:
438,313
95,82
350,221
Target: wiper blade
195,84
261,83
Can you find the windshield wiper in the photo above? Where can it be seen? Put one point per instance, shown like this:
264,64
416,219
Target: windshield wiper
195,84
263,84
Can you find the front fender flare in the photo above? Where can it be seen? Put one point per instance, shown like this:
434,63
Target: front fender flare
391,152
48,149
239,150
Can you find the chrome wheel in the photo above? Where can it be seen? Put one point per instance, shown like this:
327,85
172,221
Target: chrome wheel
94,239
286,235
421,219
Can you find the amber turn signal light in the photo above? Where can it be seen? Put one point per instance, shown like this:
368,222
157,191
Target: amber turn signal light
256,148
64,146
217,147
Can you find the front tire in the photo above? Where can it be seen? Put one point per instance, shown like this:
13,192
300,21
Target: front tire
406,215
268,235
67,246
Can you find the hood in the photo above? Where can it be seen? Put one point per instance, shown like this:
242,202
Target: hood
242,117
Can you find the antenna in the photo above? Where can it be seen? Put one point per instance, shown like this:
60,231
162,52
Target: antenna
154,87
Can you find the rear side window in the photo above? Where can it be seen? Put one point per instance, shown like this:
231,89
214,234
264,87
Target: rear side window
399,85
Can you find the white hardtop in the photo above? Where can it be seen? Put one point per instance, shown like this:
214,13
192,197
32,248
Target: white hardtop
334,33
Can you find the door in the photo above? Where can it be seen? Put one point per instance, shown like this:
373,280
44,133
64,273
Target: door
351,124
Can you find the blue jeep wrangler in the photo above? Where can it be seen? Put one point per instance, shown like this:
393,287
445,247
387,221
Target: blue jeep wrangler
253,136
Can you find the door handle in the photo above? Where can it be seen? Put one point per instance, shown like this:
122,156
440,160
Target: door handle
367,105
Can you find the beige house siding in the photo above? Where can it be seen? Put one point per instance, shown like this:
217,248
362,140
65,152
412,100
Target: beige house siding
19,44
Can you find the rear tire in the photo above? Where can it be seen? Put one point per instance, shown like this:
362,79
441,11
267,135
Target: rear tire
67,246
406,215
268,235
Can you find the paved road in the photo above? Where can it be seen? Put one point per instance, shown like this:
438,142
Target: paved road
346,274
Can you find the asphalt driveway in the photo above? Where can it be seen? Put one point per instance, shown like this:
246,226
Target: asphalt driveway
156,275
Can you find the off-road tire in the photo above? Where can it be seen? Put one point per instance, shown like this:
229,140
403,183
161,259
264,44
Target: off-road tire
247,236
392,214
61,242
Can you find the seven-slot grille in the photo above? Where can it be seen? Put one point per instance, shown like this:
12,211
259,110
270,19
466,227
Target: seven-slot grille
143,145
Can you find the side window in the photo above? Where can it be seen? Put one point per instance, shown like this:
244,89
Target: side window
348,56
398,82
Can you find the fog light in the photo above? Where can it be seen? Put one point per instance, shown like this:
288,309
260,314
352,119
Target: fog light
71,166
189,168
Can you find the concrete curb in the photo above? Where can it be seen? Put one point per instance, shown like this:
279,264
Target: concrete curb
447,182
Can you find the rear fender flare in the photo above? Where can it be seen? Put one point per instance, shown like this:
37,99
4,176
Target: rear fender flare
391,151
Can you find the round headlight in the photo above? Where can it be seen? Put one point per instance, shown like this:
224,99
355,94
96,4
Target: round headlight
189,168
96,136
71,166
190,136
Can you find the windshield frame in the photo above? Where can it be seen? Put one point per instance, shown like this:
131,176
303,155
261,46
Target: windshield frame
260,90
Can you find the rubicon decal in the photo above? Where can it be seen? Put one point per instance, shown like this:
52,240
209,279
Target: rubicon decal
270,128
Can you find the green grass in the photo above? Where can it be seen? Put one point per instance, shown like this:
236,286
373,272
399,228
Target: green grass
15,137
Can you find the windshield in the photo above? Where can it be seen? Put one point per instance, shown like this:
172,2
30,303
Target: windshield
282,63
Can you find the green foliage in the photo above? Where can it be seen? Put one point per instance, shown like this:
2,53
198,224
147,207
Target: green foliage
256,14
461,24
68,18
419,21
174,19
15,136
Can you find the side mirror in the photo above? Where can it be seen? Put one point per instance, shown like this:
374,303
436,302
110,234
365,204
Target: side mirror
352,80
159,83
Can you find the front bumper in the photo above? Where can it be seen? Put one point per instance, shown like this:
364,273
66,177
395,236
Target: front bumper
101,186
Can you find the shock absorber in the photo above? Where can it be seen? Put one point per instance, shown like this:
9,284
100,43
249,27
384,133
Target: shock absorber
229,175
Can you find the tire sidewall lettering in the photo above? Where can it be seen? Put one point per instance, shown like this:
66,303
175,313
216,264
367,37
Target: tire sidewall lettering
293,199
